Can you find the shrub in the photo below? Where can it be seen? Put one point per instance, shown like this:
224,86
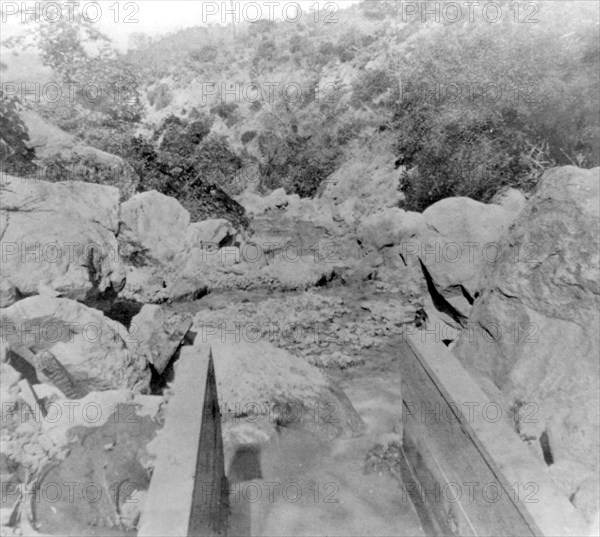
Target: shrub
216,163
370,85
181,137
248,136
226,111
15,156
297,163
160,97
547,113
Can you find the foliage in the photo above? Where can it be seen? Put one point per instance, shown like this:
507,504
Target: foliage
16,157
180,137
521,100
248,136
388,76
181,159
216,163
160,97
92,76
226,111
369,85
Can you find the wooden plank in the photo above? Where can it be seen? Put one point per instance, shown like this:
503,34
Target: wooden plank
412,489
188,487
448,444
209,507
450,466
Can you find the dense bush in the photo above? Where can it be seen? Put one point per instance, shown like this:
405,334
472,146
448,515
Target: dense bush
15,155
529,101
180,137
297,163
215,162
369,85
181,159
160,97
248,136
226,111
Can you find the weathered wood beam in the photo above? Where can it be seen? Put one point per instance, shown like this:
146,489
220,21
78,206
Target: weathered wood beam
188,490
453,451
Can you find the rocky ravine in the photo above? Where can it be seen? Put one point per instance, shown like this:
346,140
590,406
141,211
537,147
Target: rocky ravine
110,290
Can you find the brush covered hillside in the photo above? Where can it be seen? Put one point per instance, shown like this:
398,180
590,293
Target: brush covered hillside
460,109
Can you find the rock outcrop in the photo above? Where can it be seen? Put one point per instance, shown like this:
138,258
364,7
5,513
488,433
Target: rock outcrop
91,347
59,239
536,343
156,335
213,233
455,238
107,464
264,390
257,205
53,146
154,226
159,245
89,454
9,293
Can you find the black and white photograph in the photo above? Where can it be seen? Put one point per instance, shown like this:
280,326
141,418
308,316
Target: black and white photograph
300,268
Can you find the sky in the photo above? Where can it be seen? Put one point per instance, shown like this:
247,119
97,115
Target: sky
119,19
161,16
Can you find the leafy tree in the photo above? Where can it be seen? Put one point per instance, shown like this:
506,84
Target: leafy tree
83,59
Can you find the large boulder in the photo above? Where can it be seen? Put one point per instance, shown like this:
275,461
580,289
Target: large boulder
461,239
212,233
389,227
91,347
9,293
536,342
60,238
455,238
158,283
157,335
91,453
155,239
107,462
264,390
153,225
168,258
256,205
56,149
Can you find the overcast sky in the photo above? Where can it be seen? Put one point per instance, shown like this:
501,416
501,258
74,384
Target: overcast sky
119,19
161,16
